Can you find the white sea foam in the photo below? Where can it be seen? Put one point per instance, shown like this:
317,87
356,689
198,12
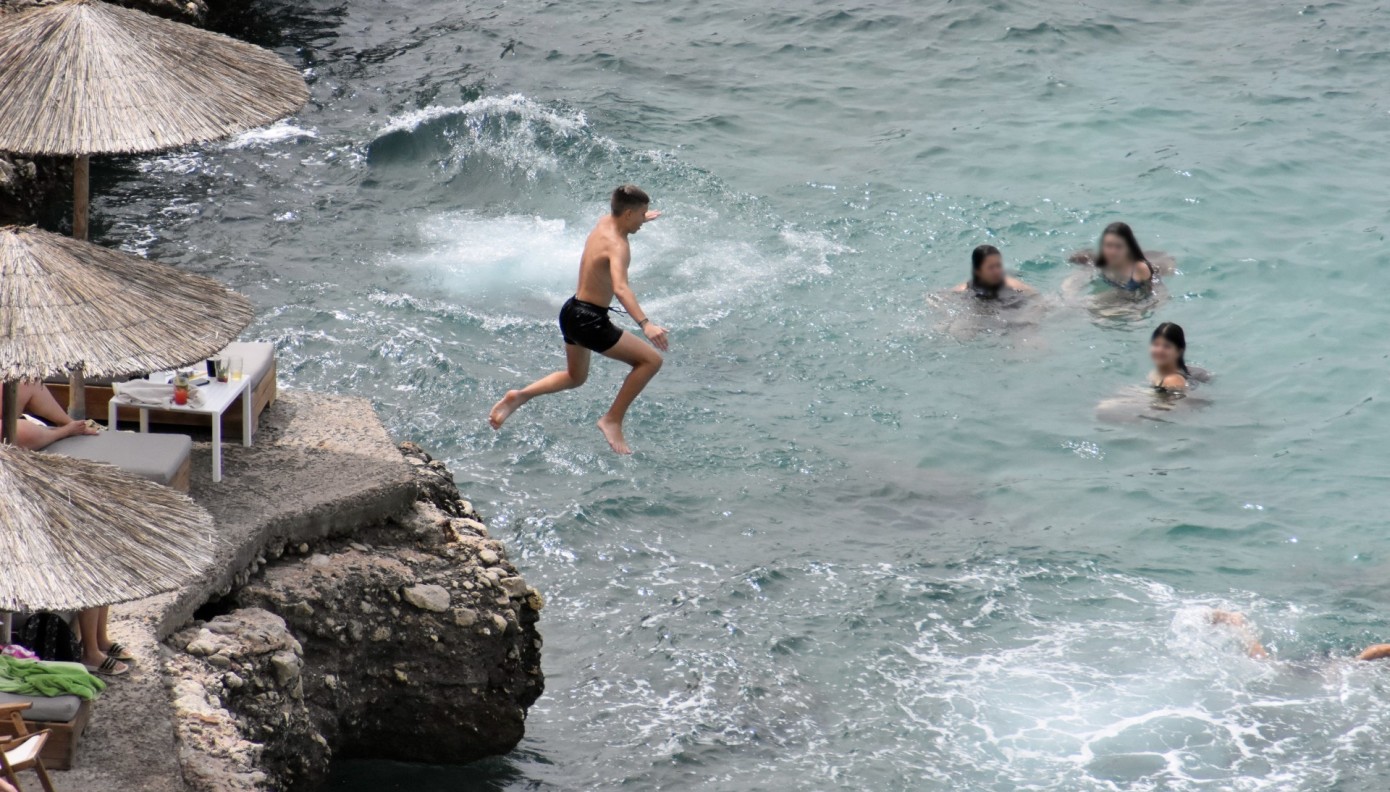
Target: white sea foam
514,130
512,104
278,132
685,273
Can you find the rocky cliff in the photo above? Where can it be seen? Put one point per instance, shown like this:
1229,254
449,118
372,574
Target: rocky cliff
414,641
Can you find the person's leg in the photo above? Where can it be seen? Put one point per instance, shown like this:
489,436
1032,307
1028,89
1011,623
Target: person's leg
1377,652
103,640
36,399
575,374
88,628
89,625
645,362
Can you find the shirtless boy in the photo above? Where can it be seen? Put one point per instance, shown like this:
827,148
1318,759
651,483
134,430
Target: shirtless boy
585,325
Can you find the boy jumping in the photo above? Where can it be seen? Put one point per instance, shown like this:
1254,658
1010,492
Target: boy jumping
585,325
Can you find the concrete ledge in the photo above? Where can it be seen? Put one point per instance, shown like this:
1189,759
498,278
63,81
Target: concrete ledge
321,466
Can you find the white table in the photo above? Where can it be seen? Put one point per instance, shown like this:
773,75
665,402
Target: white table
216,398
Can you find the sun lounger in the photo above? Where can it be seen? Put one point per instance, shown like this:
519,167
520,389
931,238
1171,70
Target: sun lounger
161,458
258,365
64,717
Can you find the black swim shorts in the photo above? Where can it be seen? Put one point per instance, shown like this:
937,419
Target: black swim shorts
587,325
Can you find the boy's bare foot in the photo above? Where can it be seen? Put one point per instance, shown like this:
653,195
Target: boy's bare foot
504,408
613,432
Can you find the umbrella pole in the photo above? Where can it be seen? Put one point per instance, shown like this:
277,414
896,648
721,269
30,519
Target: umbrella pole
81,193
10,433
77,396
81,185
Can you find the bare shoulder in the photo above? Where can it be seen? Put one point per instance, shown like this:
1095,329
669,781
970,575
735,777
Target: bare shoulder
619,249
1174,382
961,287
1019,286
1145,270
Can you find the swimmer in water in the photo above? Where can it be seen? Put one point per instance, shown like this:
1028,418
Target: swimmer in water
1167,347
1246,633
586,328
1121,262
988,279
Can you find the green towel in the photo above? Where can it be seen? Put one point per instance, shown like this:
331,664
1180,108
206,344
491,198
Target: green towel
36,678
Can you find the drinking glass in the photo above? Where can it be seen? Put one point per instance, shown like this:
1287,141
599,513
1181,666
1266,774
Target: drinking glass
236,369
224,367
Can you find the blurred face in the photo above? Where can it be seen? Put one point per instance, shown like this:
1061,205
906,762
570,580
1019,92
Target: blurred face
1114,249
991,271
633,219
1164,353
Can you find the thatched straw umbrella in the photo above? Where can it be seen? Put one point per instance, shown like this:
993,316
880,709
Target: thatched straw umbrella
82,77
76,534
65,303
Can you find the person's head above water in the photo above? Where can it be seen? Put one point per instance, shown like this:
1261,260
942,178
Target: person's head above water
987,271
1167,348
629,205
1118,246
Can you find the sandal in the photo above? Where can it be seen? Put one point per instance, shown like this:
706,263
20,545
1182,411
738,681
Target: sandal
109,667
119,652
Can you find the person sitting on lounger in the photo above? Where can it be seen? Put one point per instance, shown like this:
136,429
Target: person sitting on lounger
99,653
36,400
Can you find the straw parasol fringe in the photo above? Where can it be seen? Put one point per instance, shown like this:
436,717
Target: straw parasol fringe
76,534
66,303
85,77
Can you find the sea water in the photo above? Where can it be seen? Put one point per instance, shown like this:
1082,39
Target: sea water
872,538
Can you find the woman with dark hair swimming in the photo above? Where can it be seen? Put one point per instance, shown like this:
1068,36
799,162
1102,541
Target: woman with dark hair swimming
1169,382
988,279
1167,349
1120,260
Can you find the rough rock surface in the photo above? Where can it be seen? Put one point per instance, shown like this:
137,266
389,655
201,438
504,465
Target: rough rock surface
413,641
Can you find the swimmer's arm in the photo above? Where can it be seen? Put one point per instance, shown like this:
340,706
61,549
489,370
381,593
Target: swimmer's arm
618,262
1174,382
1243,630
1377,652
1020,287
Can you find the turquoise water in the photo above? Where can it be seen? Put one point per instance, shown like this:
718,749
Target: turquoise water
870,540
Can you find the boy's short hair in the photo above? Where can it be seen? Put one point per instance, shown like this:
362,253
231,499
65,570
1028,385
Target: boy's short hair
628,196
